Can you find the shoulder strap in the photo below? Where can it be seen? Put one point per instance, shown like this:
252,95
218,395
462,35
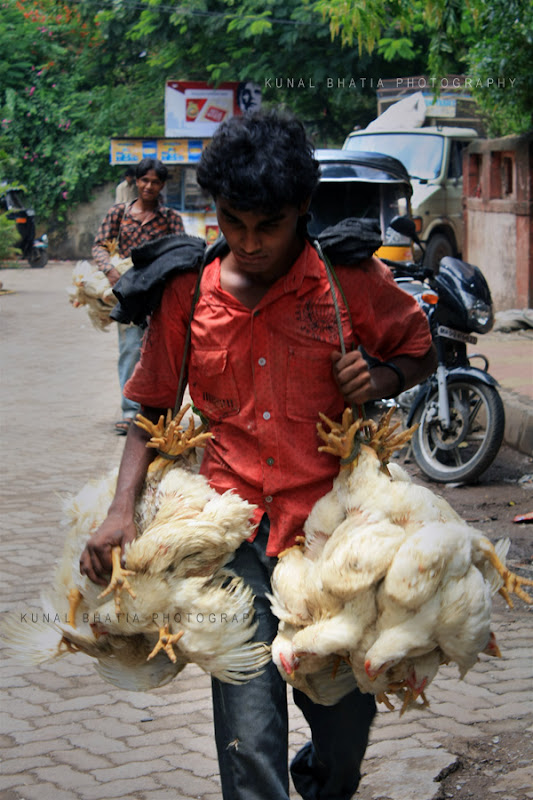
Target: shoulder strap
182,382
120,225
217,249
334,281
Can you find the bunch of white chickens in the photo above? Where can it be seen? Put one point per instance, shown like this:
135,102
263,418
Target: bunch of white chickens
174,603
389,582
91,288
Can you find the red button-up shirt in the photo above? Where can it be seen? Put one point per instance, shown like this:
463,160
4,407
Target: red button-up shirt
262,375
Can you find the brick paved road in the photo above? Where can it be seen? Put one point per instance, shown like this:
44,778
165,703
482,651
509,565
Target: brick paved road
67,735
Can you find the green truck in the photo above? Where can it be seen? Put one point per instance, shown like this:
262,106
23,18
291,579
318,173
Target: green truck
433,157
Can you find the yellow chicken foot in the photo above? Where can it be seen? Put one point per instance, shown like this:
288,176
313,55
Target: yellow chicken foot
340,441
512,583
118,580
64,644
166,642
337,664
384,440
382,698
74,599
170,439
410,697
299,545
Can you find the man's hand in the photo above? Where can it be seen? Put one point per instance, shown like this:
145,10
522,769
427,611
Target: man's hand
117,530
353,377
112,276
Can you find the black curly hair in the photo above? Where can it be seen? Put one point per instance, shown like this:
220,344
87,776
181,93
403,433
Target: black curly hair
147,164
260,161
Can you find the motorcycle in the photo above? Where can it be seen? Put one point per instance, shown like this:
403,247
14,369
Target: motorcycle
458,409
34,250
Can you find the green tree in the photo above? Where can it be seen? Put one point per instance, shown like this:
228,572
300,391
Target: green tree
492,43
66,91
81,71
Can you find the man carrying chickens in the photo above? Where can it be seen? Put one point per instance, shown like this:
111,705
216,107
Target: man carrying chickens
264,360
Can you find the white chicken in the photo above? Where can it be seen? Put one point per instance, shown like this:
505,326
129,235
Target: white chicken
173,603
399,583
325,679
91,288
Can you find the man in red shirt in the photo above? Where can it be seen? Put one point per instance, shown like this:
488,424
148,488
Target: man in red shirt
264,361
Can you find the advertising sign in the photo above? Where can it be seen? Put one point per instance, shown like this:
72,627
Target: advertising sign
126,151
169,151
193,108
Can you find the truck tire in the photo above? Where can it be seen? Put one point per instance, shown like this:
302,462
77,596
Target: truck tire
438,247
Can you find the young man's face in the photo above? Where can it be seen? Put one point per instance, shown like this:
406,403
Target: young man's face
263,245
149,186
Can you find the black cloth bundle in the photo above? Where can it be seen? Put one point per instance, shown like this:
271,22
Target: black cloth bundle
350,241
140,289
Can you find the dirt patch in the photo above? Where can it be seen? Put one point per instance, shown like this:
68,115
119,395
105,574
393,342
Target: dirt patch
498,767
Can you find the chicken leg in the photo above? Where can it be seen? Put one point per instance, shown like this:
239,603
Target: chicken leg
512,583
299,544
119,580
74,599
166,642
170,439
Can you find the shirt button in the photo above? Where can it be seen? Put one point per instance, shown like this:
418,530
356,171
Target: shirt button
262,362
268,498
266,415
270,462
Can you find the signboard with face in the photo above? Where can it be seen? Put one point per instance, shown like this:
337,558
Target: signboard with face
193,108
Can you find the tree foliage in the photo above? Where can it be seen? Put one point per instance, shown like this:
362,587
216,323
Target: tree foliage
491,43
65,90
76,72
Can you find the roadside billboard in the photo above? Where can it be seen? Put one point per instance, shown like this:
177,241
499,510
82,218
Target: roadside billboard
196,109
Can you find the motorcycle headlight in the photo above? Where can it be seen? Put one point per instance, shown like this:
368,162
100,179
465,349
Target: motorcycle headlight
480,316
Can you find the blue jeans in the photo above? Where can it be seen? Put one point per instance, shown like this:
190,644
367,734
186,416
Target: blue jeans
251,721
129,350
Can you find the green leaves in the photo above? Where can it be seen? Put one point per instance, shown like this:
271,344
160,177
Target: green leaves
392,49
73,74
8,238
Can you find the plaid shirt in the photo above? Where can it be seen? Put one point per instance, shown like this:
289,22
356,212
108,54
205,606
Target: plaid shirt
119,220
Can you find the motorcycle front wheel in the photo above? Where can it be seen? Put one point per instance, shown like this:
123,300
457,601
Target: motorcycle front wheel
38,257
470,445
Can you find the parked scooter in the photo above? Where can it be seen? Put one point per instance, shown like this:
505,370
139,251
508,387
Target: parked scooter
35,251
458,410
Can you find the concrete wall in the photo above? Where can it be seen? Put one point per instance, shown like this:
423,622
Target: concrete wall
84,223
498,201
492,247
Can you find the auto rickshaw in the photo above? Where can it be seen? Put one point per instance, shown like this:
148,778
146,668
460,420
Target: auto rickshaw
364,185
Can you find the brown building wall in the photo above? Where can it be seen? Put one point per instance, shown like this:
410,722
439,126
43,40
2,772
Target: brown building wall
498,200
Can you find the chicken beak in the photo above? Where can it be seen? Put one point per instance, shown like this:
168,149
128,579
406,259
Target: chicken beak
289,667
372,674
492,648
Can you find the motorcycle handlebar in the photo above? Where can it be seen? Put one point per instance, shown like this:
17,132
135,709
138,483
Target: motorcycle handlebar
409,269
